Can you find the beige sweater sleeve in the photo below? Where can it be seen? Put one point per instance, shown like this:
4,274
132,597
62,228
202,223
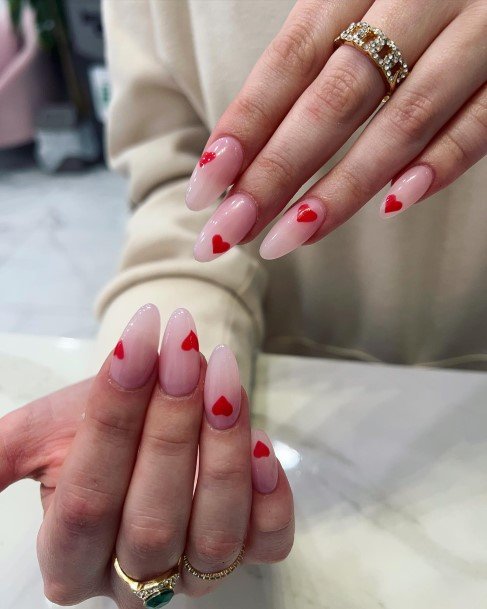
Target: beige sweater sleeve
155,138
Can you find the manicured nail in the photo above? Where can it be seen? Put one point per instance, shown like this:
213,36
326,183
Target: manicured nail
406,191
222,388
179,364
215,172
264,462
227,227
296,226
135,353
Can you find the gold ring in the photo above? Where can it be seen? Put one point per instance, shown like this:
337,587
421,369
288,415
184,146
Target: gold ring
218,574
382,50
154,592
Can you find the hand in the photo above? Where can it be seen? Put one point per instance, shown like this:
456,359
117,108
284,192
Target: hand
303,100
117,459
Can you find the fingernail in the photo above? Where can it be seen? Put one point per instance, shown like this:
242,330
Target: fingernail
215,172
227,227
406,191
296,226
135,353
179,364
222,388
265,471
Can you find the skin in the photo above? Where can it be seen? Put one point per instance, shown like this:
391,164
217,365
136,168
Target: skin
96,447
303,100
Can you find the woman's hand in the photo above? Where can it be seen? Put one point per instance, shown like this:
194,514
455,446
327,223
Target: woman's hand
302,102
118,466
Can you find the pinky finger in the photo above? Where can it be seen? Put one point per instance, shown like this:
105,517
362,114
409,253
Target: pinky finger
271,531
456,148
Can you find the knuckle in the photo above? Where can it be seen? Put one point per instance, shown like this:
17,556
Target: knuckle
249,110
216,548
144,541
294,50
82,511
165,445
112,423
478,113
354,184
411,115
222,474
277,166
338,94
457,151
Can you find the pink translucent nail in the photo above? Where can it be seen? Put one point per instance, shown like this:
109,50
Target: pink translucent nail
406,191
222,388
227,227
296,226
179,364
135,353
265,471
215,172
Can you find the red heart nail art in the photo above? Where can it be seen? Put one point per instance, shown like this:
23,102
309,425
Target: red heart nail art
118,351
392,204
207,157
219,246
222,406
190,342
306,214
261,450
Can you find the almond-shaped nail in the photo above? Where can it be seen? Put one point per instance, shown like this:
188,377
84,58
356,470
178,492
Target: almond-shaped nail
179,363
406,190
222,388
227,227
135,354
215,172
265,470
295,227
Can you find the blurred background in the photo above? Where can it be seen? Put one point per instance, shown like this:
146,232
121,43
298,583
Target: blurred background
62,213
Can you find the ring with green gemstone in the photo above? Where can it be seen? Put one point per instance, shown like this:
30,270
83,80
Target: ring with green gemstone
155,593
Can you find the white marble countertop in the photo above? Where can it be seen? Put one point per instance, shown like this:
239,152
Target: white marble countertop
388,467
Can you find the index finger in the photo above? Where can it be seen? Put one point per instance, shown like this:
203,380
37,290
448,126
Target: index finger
77,537
286,68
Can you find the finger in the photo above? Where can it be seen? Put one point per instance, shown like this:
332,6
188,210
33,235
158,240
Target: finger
290,63
418,109
222,501
158,504
78,535
341,98
271,531
456,148
31,436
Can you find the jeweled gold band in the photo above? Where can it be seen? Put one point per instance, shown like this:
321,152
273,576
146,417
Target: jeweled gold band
218,574
154,592
382,50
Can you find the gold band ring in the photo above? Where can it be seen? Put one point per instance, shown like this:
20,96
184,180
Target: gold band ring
154,592
382,51
216,575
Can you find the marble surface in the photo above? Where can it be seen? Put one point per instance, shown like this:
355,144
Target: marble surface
388,466
55,231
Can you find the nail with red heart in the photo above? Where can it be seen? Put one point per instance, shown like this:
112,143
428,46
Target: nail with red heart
227,226
135,353
215,171
406,190
296,226
265,471
179,363
222,389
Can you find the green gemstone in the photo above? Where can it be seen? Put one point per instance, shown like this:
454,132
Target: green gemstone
159,600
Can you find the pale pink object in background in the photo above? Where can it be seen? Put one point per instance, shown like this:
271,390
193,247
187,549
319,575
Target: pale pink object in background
215,172
406,190
25,79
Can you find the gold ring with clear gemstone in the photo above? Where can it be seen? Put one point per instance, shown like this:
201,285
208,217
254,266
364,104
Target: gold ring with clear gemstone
217,574
382,50
155,593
